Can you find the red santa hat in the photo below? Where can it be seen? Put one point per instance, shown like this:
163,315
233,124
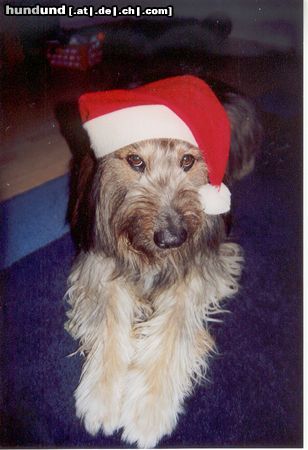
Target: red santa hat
182,107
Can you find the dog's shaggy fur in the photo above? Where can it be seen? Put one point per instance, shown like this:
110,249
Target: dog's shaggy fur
139,308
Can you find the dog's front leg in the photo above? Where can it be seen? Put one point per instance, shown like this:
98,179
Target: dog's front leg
100,318
171,350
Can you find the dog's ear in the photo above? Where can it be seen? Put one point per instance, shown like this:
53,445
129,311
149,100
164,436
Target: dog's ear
81,211
246,135
246,130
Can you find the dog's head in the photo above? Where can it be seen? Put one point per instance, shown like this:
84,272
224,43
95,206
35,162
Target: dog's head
140,203
143,206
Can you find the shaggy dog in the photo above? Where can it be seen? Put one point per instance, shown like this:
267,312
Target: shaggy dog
152,272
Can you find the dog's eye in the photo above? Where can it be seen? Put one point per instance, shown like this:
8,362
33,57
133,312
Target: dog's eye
136,163
187,162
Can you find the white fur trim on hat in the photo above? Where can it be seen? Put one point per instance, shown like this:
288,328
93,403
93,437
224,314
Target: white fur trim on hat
215,199
127,126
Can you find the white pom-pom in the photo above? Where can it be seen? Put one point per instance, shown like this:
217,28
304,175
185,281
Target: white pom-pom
215,199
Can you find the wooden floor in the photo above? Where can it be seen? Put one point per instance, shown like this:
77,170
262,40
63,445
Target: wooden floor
33,148
31,162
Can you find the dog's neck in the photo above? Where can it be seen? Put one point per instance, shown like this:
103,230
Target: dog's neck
147,281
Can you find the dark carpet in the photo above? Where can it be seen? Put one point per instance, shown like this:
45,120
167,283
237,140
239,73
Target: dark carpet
254,393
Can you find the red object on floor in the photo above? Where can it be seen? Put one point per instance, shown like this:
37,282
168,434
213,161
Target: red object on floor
75,56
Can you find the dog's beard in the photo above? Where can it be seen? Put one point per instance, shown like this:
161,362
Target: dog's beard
132,208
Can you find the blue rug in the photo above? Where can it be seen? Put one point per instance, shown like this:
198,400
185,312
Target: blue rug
254,396
32,220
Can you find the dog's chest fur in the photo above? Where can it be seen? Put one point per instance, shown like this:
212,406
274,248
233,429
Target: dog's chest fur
143,353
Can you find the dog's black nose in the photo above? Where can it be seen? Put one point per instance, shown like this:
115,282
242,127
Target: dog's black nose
170,237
